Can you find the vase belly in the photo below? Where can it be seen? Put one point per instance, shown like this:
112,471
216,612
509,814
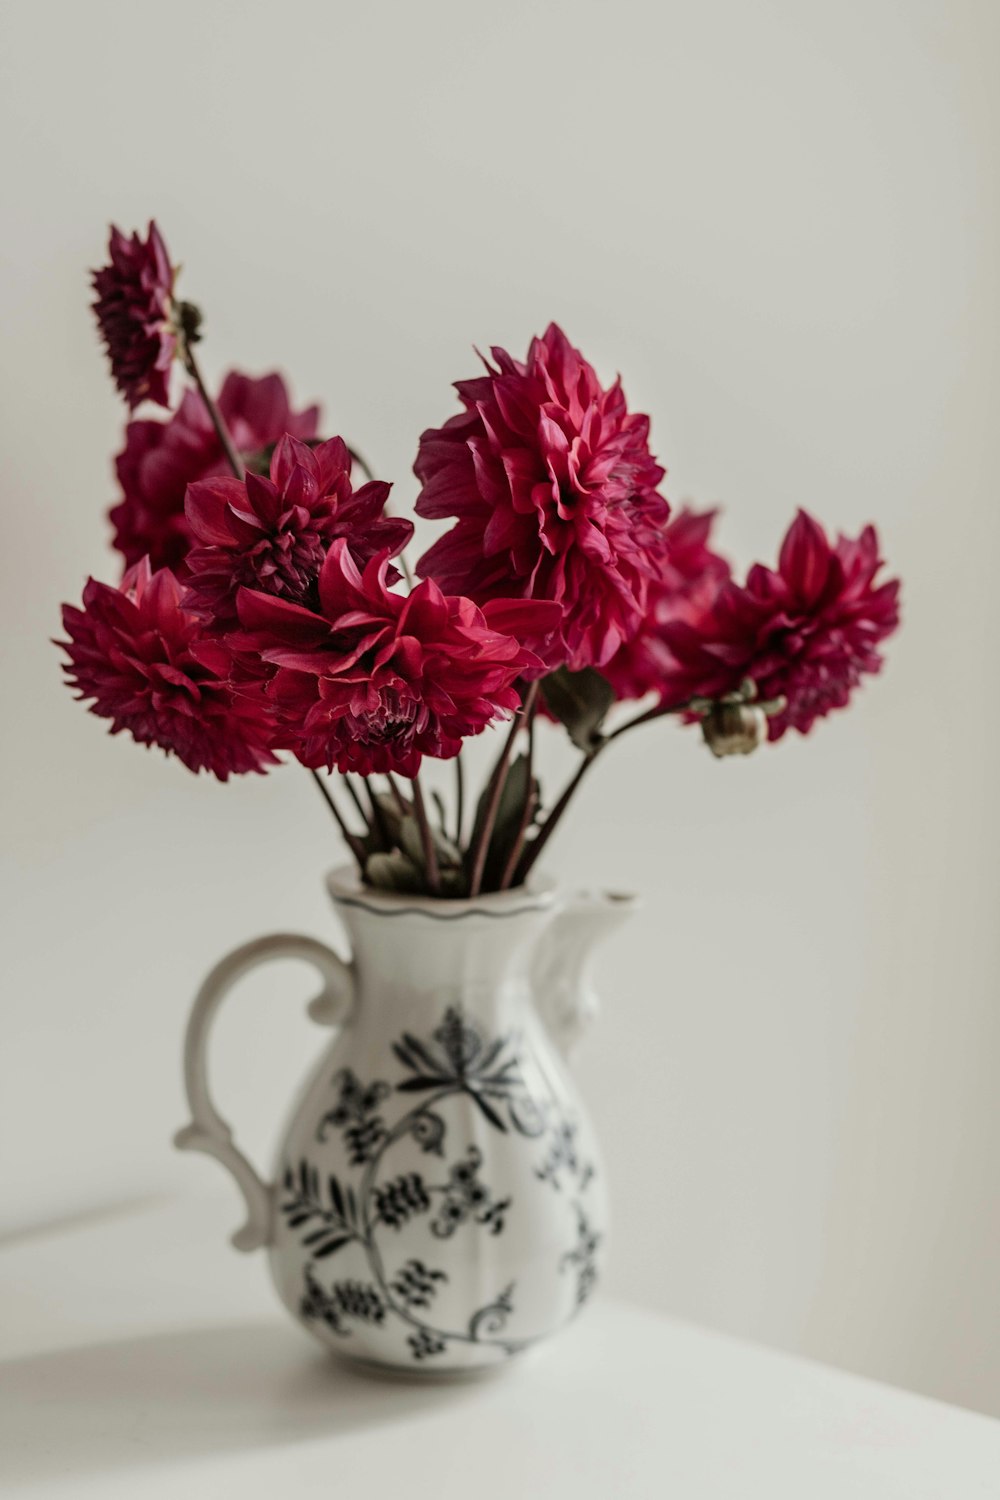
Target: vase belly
440,1203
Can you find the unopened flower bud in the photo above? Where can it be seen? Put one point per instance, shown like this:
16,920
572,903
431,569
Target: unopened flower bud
189,319
734,728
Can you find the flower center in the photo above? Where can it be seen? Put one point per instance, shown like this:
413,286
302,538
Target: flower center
395,718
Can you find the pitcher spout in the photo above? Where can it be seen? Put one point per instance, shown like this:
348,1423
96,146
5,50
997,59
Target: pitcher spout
564,994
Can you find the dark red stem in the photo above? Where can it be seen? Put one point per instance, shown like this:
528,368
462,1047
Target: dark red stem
529,809
426,837
355,845
221,430
496,785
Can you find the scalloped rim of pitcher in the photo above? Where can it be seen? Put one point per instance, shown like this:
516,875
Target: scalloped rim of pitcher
346,888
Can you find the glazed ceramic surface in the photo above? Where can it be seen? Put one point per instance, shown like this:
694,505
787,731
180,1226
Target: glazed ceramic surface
438,1200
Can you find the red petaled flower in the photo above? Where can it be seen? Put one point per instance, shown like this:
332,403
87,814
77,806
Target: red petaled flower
689,580
807,632
135,313
273,534
372,681
160,460
146,664
554,487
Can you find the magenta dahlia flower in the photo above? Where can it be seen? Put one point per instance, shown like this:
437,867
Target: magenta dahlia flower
161,458
135,313
144,661
806,632
555,491
688,580
273,534
371,680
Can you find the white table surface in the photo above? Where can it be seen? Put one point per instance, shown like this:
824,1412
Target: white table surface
142,1357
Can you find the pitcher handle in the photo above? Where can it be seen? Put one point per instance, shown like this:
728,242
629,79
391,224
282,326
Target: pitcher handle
208,1131
564,995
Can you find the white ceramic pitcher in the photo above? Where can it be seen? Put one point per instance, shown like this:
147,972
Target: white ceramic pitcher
438,1201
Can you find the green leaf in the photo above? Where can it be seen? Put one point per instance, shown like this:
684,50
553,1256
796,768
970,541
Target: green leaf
394,872
511,799
454,883
390,819
410,841
518,786
580,701
412,845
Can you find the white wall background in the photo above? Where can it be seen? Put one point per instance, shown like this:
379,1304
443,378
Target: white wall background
780,220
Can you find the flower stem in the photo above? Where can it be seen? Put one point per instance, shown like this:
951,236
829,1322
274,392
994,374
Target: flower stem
551,822
495,791
459,799
221,430
366,820
658,711
426,837
441,810
362,463
377,814
397,795
355,845
527,812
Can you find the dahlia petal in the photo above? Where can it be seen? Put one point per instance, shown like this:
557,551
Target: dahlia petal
290,454
531,621
368,501
516,407
269,615
333,462
161,597
490,486
274,534
389,679
503,530
805,558
425,610
485,467
205,505
142,660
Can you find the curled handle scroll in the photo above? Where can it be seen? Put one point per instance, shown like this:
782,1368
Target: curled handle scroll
208,1131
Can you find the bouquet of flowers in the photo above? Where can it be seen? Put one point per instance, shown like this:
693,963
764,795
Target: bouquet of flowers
266,609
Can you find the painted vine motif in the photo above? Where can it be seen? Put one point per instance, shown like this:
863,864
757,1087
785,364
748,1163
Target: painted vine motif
456,1060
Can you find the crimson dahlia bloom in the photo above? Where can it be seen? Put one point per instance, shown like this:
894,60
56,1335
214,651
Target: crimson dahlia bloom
806,632
555,491
135,313
688,581
143,659
273,534
371,681
161,458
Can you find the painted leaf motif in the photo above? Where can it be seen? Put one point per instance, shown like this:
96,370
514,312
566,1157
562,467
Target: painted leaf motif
331,1221
331,1246
397,1202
